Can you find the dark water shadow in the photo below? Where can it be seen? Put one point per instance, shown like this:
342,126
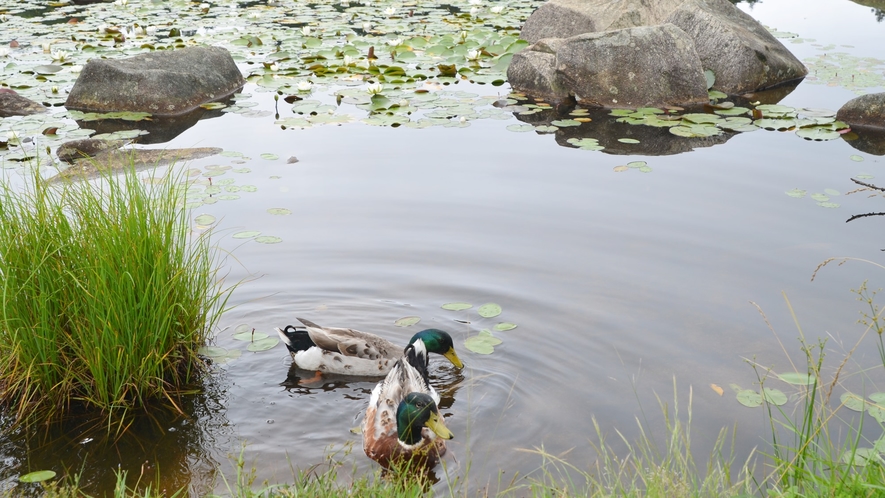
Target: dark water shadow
866,139
161,448
652,141
160,129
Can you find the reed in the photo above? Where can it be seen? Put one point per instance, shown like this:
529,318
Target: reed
106,297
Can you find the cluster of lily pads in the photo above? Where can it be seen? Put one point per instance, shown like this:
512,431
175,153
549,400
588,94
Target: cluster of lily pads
810,124
387,58
255,341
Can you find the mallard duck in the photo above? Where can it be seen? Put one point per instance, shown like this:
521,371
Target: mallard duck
352,352
400,408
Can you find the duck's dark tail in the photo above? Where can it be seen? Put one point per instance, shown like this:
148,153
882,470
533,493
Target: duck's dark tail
295,338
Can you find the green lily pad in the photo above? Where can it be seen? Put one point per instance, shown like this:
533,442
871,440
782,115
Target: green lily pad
279,211
563,123
628,140
796,192
482,343
268,239
774,396
48,69
796,378
817,134
249,336
456,306
520,127
205,219
248,234
489,310
749,398
263,344
831,205
407,321
636,164
504,326
852,401
855,158
37,476
820,197
861,457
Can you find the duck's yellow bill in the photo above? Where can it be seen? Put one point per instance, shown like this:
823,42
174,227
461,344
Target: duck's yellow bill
452,356
436,424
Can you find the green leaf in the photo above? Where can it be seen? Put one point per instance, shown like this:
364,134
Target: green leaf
798,193
456,306
774,396
268,239
855,158
407,321
248,336
749,398
204,219
796,378
482,343
504,326
852,401
279,211
628,140
246,235
263,344
489,310
711,78
37,476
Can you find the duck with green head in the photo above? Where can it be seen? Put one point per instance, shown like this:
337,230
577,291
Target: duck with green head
402,421
352,352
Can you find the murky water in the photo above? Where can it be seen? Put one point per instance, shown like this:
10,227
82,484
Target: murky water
622,284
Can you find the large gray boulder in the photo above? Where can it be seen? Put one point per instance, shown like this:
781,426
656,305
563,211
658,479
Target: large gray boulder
164,83
631,67
741,53
13,104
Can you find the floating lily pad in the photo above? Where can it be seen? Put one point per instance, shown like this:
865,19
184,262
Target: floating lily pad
861,457
263,344
628,140
248,234
796,378
489,310
820,197
563,123
852,401
249,336
205,219
37,476
456,306
774,396
817,134
796,192
636,164
831,205
269,156
504,326
855,158
749,398
268,239
520,127
279,211
407,321
482,343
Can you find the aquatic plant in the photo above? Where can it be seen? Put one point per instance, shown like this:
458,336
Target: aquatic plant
106,297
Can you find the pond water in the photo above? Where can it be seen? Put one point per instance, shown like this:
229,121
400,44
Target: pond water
622,284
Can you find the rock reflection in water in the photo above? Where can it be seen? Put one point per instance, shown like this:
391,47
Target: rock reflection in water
652,141
160,447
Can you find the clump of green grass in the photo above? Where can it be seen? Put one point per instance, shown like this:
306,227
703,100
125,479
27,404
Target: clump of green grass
105,297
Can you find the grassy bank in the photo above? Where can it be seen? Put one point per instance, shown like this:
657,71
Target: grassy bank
106,296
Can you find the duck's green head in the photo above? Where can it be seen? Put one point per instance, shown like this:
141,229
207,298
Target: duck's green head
439,342
415,411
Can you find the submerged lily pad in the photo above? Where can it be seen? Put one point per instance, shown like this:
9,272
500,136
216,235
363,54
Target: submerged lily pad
37,476
407,321
268,239
263,344
489,310
456,306
482,343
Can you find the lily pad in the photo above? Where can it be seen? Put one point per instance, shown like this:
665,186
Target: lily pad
852,401
489,310
504,326
817,134
205,219
279,211
797,193
268,239
628,140
456,306
263,344
774,396
407,321
249,336
796,378
248,234
482,343
37,476
749,398
520,127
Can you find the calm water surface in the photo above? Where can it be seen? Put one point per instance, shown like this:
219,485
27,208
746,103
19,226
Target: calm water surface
622,284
